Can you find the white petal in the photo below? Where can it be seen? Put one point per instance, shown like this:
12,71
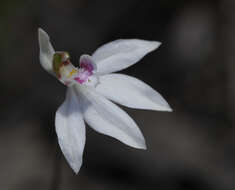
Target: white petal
46,50
131,92
70,129
92,81
107,118
120,54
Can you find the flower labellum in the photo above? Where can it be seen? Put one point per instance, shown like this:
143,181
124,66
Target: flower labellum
92,87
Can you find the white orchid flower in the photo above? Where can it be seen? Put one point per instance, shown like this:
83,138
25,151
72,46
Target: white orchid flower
91,86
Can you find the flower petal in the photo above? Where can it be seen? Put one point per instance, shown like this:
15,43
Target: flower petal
70,129
46,50
107,118
86,69
120,54
131,92
87,63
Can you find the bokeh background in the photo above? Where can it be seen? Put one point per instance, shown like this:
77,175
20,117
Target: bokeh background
192,148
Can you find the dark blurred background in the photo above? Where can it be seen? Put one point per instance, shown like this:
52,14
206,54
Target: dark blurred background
192,148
